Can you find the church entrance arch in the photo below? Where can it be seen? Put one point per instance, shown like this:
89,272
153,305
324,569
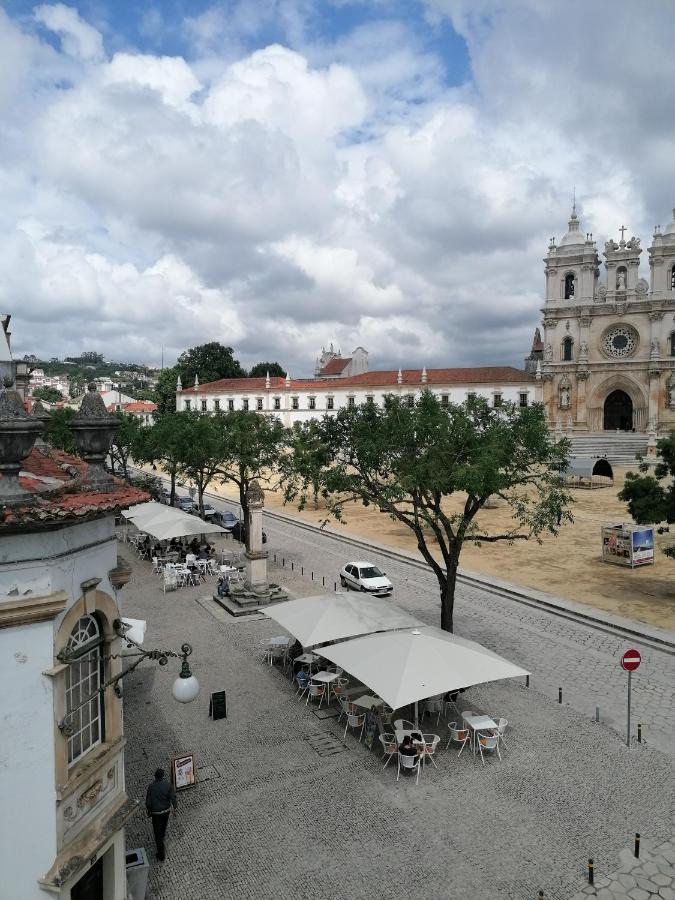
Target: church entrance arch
618,412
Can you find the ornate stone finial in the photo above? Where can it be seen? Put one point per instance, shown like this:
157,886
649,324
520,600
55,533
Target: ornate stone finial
196,382
537,374
424,375
267,379
288,380
255,493
399,377
18,431
93,429
179,384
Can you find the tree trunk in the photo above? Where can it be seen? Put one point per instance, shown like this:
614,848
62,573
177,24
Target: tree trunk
200,499
448,593
172,497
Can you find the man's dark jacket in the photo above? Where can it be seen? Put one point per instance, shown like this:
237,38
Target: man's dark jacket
161,797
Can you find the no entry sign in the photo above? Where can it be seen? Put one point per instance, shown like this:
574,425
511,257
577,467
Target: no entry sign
631,660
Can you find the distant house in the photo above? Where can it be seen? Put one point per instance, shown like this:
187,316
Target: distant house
143,410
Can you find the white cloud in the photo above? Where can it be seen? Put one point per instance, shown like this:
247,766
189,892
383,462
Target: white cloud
78,38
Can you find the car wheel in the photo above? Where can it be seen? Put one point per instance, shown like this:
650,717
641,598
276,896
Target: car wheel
363,590
343,582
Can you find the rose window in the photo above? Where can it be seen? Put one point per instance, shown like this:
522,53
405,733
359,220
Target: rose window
620,341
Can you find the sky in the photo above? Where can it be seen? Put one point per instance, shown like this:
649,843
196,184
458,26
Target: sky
278,175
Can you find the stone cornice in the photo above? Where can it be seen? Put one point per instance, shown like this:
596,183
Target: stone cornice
16,611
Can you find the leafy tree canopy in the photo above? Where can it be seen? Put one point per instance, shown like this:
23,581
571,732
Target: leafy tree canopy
209,362
164,394
408,462
48,394
651,497
261,369
57,433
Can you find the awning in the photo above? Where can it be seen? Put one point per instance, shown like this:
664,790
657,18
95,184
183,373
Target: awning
141,509
403,667
332,617
178,525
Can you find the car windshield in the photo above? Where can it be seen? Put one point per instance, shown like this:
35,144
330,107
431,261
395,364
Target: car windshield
371,572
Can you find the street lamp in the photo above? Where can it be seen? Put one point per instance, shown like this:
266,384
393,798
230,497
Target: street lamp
185,688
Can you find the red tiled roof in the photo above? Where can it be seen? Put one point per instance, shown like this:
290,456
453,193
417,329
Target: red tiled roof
335,366
140,406
61,493
410,377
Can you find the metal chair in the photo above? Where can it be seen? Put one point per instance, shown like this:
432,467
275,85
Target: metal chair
404,725
389,747
317,690
488,743
354,720
457,736
502,725
431,741
411,763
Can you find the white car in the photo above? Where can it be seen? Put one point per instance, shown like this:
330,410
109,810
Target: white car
364,576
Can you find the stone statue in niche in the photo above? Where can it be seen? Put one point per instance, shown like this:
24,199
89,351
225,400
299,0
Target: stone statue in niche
642,287
655,349
621,280
583,352
548,353
564,393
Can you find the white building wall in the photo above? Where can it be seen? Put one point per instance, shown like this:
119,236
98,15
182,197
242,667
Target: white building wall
28,842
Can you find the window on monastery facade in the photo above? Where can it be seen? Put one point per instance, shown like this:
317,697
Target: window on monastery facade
259,404
370,398
496,400
83,679
672,279
470,397
672,344
216,405
295,403
204,407
277,402
311,402
230,405
244,404
188,405
567,349
351,402
410,400
330,403
523,399
569,286
445,399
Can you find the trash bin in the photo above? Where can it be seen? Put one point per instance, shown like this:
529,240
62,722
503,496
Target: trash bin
137,873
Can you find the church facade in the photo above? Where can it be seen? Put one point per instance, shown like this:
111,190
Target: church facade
608,355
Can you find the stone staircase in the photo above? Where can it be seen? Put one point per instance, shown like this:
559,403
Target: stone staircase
619,448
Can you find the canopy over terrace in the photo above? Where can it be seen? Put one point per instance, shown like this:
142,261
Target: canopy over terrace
141,509
332,617
403,667
166,522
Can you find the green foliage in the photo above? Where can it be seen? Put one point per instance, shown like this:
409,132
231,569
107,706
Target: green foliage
261,369
166,442
209,362
164,394
126,437
57,433
651,498
406,461
146,482
48,394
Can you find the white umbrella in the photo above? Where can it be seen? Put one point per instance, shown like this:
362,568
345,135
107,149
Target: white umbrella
180,526
330,617
141,509
162,514
403,667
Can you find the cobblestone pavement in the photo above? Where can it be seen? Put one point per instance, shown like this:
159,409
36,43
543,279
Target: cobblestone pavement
650,876
273,816
581,660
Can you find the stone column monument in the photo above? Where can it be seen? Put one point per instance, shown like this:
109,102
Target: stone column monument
256,557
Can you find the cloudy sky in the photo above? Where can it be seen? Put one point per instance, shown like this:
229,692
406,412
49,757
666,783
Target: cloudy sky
280,174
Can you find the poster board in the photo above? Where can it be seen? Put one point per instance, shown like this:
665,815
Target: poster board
218,705
628,545
183,771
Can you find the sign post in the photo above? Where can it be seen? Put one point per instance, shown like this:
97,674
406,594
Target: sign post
630,661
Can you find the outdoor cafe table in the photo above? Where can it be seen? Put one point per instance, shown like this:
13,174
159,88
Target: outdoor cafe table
368,701
324,677
478,723
306,659
281,640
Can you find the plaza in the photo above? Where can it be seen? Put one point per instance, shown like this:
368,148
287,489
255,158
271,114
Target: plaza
286,807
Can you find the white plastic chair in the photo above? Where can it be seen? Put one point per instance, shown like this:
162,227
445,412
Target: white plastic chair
434,705
317,690
190,559
502,725
354,720
338,687
389,747
488,743
409,762
457,736
156,566
346,707
431,741
403,725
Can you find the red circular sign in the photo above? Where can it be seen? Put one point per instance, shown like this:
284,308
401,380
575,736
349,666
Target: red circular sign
631,660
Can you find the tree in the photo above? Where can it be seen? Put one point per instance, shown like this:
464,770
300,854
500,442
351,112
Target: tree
202,451
48,394
57,433
164,394
308,459
166,442
251,448
261,369
651,498
126,438
409,461
209,362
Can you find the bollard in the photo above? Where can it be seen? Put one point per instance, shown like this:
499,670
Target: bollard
636,852
323,580
302,571
275,557
292,566
590,870
639,733
283,561
559,695
335,585
527,681
597,713
312,576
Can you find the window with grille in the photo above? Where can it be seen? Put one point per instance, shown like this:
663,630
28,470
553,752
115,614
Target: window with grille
188,404
312,402
410,400
672,279
523,398
244,405
259,403
330,403
204,406
351,402
295,403
277,402
497,400
83,679
370,398
230,405
445,399
471,396
216,405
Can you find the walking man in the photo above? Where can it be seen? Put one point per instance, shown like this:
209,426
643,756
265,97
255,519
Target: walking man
159,800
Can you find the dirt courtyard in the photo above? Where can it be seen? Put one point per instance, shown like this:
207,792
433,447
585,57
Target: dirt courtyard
567,566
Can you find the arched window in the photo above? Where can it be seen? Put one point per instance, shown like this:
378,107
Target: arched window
672,344
567,349
569,284
83,680
672,279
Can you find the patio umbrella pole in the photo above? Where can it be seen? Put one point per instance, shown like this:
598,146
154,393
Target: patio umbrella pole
417,725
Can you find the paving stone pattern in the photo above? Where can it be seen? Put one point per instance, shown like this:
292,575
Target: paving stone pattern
275,818
650,876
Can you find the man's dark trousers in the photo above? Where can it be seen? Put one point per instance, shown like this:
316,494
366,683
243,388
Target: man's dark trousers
159,823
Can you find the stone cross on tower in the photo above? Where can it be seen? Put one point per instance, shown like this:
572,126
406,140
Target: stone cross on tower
623,230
